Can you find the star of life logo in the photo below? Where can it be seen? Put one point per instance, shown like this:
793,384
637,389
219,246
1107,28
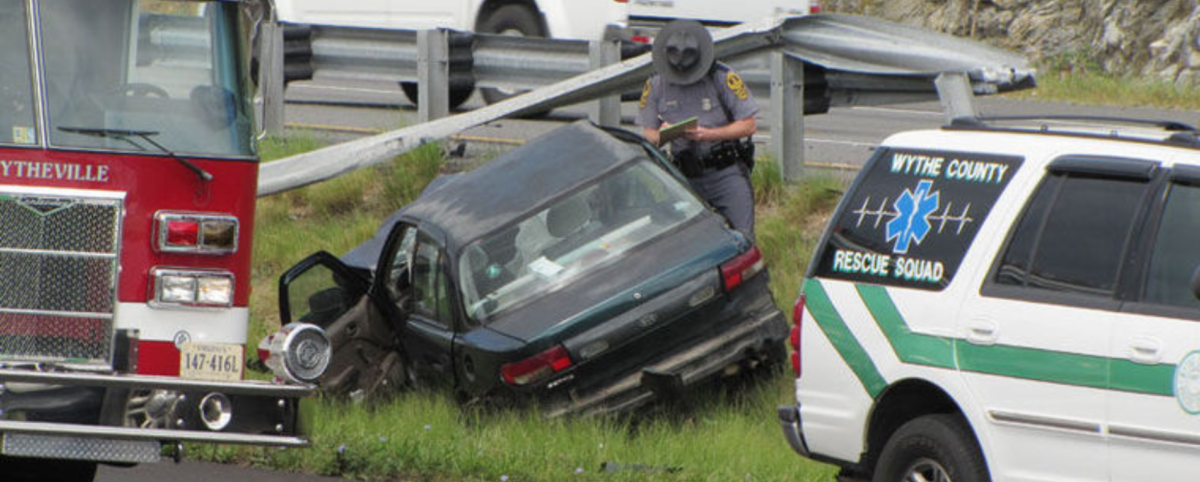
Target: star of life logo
913,215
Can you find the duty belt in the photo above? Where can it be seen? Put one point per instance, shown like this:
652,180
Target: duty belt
722,155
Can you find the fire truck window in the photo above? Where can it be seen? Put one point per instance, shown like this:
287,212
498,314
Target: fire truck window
170,71
17,124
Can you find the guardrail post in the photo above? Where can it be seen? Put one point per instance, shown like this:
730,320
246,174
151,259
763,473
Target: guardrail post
270,76
433,74
605,111
787,114
956,95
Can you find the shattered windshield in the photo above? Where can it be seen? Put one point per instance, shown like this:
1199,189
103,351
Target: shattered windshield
171,69
571,237
16,92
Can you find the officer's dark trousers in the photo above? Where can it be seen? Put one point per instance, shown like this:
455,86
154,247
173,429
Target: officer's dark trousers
729,191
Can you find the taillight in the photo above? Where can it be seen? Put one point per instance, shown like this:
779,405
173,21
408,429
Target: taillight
814,7
742,268
536,367
794,338
196,233
642,39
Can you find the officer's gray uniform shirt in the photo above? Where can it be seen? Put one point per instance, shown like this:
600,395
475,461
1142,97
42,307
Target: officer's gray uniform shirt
664,101
728,189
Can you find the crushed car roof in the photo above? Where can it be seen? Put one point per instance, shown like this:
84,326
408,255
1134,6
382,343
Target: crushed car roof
480,201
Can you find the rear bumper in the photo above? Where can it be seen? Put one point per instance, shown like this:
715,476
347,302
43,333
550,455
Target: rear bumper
86,416
789,421
688,366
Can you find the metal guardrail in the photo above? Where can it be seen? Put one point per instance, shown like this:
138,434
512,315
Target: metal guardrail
814,62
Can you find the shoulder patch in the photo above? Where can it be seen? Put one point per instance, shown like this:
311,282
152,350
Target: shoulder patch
735,84
645,95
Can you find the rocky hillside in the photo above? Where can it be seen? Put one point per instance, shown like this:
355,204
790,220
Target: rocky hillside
1158,38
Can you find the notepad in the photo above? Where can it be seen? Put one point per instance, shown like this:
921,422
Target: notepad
675,130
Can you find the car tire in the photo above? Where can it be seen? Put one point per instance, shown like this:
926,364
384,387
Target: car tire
933,447
457,95
516,20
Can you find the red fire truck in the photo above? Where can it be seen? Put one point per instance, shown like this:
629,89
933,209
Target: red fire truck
128,172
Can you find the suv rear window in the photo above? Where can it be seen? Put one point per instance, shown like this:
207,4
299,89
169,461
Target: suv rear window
911,216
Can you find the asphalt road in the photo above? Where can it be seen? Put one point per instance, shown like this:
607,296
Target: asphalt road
843,137
189,471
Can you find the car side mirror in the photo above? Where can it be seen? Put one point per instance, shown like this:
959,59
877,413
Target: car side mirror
1196,282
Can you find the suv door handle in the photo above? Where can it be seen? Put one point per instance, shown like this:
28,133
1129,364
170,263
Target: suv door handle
1145,350
982,332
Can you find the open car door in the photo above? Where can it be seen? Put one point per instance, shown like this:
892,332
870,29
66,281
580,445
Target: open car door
367,355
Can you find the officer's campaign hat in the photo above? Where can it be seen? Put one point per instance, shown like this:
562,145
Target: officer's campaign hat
683,52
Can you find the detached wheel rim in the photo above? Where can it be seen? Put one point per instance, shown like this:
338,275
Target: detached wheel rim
926,470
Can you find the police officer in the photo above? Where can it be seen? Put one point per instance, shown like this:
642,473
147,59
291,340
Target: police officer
716,153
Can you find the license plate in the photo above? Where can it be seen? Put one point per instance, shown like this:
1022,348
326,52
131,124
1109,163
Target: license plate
210,361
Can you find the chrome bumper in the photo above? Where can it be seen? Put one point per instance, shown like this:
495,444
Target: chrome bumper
35,423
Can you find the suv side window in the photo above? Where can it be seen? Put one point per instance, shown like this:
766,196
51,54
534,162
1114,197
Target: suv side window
910,220
1176,251
1075,232
430,294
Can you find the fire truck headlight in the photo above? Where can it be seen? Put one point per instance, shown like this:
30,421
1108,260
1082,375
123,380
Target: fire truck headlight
191,288
299,353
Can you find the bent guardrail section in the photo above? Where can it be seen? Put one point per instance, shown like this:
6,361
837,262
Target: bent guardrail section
817,61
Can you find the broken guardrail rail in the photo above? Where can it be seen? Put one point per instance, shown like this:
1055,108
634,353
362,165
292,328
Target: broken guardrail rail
833,60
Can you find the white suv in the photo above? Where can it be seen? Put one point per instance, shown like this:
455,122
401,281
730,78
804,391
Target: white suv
1013,303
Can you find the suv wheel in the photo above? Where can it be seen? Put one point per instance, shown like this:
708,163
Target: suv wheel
934,448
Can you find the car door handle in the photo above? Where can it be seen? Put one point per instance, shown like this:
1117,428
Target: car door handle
982,332
1145,350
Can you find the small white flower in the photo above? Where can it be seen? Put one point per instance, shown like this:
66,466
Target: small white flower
428,428
503,478
578,470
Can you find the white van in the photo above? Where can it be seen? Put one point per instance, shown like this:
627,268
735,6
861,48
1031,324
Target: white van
564,19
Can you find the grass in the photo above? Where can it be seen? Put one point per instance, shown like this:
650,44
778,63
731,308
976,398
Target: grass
730,434
1079,80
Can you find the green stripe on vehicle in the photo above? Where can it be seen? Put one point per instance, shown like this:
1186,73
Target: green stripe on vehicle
910,347
1000,360
835,329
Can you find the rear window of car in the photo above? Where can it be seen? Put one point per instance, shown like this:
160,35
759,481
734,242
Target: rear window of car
911,216
571,237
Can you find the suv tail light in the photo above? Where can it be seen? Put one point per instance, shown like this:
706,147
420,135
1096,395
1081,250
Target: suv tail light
742,268
536,367
794,339
814,7
196,233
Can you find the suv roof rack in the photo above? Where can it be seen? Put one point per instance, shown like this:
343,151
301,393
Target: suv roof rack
1184,134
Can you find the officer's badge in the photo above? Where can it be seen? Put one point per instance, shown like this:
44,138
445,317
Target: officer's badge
735,84
645,95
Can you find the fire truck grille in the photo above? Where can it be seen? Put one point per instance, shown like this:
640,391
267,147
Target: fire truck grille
58,277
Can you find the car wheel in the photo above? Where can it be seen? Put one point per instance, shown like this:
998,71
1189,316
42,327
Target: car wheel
934,448
516,20
457,95
29,470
